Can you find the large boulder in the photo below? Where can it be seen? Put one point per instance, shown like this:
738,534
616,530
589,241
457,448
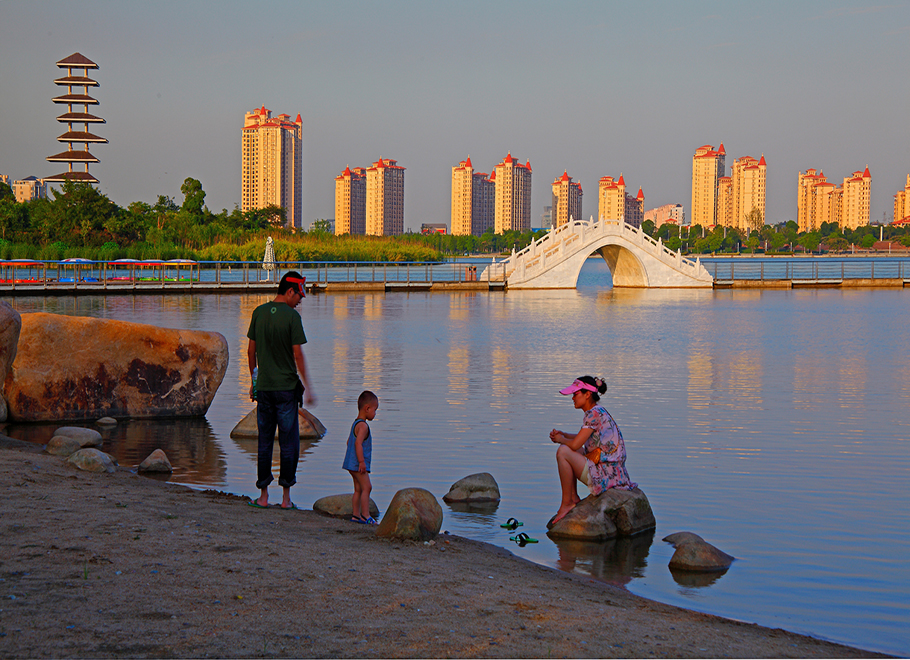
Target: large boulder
70,367
10,326
248,428
341,506
93,460
413,514
613,513
693,553
480,487
85,437
60,445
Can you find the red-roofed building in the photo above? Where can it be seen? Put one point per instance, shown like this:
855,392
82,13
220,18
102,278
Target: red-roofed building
902,205
820,201
385,198
566,200
350,202
271,164
708,166
473,196
512,205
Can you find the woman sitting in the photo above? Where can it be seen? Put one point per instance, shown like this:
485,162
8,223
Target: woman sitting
596,455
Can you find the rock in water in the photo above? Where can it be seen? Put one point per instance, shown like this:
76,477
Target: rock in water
481,487
93,460
70,367
310,427
106,421
340,506
60,445
156,462
10,326
613,513
693,553
85,437
413,514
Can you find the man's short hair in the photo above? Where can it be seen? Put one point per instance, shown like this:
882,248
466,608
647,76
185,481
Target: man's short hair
291,280
366,398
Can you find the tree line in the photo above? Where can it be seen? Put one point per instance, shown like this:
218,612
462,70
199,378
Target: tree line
80,221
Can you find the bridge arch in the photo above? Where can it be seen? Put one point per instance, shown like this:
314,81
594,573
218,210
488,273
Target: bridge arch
634,259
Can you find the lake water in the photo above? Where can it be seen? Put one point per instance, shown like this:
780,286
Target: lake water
773,423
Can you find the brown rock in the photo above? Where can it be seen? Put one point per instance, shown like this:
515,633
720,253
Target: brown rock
85,437
71,367
613,513
693,553
156,462
413,514
61,445
481,487
93,460
248,427
340,506
10,326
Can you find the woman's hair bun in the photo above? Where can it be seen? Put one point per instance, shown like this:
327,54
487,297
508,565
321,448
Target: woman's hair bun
599,383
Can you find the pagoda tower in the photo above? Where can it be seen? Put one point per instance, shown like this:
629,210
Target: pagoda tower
81,65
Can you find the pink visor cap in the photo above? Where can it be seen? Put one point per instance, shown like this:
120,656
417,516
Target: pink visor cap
576,386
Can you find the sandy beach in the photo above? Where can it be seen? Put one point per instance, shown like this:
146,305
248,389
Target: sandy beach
120,565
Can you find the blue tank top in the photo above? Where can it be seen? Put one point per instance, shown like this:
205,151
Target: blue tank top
350,456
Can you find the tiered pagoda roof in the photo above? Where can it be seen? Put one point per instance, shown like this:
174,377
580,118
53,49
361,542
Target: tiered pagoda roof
83,137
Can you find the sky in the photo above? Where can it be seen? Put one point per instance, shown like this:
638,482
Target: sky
592,88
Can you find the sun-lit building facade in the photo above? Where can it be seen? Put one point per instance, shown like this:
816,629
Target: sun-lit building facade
473,197
708,165
635,209
385,198
566,200
902,203
820,201
350,201
748,177
272,163
512,205
611,198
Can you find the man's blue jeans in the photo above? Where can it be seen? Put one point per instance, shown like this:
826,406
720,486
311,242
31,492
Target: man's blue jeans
278,409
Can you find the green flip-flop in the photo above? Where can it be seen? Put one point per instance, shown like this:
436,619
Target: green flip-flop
521,539
511,523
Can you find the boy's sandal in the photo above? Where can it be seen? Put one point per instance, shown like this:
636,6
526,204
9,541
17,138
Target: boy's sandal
511,523
522,539
371,521
358,519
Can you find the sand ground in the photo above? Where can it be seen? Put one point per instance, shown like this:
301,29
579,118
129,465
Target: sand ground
120,565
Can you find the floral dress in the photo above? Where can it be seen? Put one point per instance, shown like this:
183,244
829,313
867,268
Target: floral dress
609,469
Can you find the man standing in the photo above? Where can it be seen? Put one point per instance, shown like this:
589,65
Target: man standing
276,337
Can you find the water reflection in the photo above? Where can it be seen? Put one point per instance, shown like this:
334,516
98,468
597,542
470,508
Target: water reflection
616,561
694,579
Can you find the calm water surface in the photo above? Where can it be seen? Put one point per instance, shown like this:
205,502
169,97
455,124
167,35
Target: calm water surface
774,424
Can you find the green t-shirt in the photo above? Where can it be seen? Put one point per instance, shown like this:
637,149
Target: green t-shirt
276,328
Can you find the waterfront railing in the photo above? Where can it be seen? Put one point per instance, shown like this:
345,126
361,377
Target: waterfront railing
805,270
181,273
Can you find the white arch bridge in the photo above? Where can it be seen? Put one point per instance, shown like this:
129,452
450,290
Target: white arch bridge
634,258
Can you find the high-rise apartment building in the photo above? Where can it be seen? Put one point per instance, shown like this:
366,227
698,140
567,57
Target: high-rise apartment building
635,209
512,210
566,200
856,201
351,201
272,163
473,198
708,166
902,203
725,215
820,201
611,198
385,198
748,188
672,213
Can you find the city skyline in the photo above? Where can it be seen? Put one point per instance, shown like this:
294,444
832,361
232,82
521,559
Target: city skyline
171,104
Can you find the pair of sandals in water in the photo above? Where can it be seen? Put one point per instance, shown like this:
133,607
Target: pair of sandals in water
521,538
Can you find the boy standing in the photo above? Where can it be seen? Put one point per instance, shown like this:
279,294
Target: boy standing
358,457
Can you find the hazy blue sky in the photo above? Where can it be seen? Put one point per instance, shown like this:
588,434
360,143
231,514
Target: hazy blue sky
596,88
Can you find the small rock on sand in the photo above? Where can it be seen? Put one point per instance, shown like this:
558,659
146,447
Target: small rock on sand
413,514
93,460
61,445
341,506
156,462
86,437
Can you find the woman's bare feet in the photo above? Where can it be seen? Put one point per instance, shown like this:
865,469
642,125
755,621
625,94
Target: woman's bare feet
563,510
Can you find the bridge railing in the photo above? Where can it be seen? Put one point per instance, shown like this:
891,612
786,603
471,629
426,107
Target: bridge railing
830,269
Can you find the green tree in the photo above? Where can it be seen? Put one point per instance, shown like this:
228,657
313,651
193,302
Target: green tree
193,197
868,241
648,227
6,191
321,226
754,220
